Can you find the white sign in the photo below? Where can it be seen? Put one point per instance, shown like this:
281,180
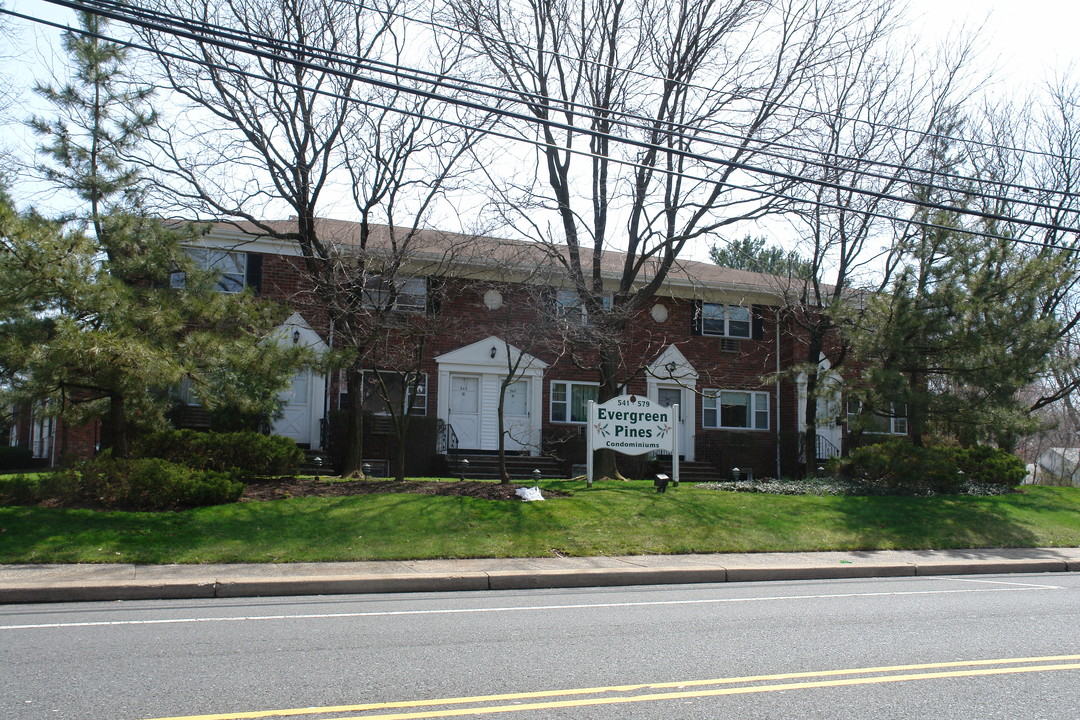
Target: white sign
632,425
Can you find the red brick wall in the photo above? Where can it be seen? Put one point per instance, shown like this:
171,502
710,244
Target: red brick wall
463,319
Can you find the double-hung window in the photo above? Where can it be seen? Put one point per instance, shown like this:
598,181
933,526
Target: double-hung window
725,320
230,266
568,306
380,388
400,295
570,400
890,421
735,409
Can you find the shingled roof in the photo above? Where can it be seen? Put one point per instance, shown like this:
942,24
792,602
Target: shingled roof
481,256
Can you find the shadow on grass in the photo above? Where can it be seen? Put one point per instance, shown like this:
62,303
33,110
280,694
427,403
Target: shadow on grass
938,522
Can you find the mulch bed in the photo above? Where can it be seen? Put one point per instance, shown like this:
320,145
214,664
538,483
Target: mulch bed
281,488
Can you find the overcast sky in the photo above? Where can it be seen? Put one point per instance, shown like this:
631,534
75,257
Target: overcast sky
1030,42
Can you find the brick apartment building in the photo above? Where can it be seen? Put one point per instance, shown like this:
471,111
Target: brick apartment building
714,340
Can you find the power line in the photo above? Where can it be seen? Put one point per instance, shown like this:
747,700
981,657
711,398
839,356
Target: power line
544,122
692,86
525,98
755,190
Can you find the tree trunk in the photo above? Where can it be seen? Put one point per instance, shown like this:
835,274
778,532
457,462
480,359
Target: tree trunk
402,426
353,457
916,409
605,462
117,425
813,359
504,474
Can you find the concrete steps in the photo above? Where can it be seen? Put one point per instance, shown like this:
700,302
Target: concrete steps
483,466
690,471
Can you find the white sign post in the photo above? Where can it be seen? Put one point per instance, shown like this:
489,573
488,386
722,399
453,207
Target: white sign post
632,425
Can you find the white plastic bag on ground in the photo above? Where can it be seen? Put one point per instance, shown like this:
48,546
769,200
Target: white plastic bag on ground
529,494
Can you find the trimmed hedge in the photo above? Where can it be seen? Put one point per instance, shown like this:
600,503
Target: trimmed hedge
252,453
137,484
902,467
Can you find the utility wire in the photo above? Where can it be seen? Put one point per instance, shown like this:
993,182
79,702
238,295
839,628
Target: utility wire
526,98
754,190
692,86
683,154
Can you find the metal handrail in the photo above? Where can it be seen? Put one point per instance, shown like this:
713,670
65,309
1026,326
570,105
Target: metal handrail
825,449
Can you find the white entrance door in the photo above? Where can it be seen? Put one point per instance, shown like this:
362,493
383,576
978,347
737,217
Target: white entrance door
829,401
668,396
516,415
465,410
295,421
829,405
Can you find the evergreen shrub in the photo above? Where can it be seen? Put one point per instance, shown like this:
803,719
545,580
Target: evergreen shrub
141,484
991,465
900,467
19,490
252,453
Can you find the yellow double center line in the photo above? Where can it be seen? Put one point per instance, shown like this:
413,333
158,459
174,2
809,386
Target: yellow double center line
617,694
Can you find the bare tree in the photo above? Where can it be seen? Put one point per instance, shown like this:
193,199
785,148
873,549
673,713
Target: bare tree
292,125
651,121
875,114
526,338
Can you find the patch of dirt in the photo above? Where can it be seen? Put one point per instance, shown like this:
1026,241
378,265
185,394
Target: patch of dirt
281,488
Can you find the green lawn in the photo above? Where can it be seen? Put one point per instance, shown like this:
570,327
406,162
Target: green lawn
607,519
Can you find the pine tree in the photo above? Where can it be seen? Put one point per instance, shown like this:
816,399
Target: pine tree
962,328
752,254
104,334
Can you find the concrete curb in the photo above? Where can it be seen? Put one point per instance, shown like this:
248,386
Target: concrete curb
993,566
263,587
398,580
105,591
820,572
604,578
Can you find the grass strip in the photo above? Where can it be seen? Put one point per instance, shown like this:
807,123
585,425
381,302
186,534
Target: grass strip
625,518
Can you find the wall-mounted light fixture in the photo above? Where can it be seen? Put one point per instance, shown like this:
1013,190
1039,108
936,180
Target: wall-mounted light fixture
295,337
493,351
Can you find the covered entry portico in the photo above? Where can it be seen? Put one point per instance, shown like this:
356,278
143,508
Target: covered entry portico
470,380
304,402
672,380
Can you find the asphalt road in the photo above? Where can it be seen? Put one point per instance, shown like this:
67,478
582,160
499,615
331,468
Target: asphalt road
995,646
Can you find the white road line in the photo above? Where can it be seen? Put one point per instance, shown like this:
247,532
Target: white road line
529,608
994,582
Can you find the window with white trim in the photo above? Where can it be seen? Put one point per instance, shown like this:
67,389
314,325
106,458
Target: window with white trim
568,306
891,421
400,295
725,320
230,266
570,400
735,409
396,384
